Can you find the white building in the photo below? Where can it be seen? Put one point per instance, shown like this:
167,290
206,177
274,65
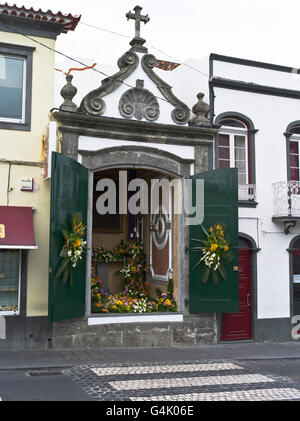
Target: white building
257,106
254,125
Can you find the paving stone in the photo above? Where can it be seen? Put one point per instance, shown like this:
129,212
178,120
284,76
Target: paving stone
189,381
250,395
105,371
186,381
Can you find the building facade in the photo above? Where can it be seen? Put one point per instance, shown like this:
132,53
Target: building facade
256,106
138,280
262,145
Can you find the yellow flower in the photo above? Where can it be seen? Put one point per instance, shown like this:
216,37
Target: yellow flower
226,248
219,227
77,243
213,247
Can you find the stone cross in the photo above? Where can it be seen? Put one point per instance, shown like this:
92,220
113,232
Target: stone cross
138,19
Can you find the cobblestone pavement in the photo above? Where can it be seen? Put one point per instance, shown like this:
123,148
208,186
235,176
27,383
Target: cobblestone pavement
183,381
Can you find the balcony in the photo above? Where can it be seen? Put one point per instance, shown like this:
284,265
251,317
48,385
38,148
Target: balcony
247,195
286,203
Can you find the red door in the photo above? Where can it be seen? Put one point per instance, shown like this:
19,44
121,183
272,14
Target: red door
238,326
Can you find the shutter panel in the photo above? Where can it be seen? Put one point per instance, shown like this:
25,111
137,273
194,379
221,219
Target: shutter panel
69,194
220,207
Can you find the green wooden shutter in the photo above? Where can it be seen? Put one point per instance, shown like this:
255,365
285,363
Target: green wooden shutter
69,194
220,207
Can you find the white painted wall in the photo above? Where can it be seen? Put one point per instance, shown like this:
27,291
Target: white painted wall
271,116
257,75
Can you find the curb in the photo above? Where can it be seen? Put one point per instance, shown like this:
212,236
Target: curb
58,369
38,371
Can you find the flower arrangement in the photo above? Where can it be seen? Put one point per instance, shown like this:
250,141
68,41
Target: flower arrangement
166,300
133,274
130,300
132,249
214,249
72,251
101,254
121,303
134,268
134,298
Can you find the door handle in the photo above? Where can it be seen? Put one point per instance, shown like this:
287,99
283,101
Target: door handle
248,295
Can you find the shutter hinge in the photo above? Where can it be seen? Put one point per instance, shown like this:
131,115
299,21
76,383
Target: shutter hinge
235,268
50,270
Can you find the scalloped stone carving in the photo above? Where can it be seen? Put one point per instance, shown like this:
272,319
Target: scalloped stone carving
139,103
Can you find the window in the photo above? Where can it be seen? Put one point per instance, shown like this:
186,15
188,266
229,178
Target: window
15,86
10,274
293,152
233,148
12,89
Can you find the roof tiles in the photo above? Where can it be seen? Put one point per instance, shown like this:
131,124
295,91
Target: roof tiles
68,21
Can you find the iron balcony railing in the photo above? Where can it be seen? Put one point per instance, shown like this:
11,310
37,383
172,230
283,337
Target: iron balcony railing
247,192
286,199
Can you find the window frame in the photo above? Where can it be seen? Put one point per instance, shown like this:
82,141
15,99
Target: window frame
26,54
251,131
232,132
17,120
294,138
16,313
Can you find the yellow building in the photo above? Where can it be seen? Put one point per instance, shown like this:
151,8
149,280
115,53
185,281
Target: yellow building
27,60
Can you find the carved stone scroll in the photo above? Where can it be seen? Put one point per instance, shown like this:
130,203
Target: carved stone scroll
181,112
93,102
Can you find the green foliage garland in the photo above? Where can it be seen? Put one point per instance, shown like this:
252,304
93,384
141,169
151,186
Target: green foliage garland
72,251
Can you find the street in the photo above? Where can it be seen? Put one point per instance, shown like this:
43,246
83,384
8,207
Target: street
251,380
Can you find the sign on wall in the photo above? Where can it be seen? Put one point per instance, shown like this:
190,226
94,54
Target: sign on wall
49,146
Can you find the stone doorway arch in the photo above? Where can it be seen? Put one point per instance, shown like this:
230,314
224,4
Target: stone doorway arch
161,164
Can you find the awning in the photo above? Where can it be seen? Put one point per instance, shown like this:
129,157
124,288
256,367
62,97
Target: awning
16,228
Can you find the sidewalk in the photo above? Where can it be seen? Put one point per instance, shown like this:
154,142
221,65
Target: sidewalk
32,359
